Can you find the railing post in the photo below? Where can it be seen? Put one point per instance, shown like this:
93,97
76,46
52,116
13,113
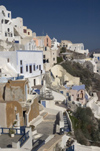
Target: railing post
16,131
2,130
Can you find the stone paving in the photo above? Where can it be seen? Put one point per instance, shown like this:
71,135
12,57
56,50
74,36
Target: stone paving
47,126
50,117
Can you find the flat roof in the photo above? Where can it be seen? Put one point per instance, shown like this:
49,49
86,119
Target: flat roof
6,140
37,86
29,51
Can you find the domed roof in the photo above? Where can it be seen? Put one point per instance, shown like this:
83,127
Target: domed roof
2,7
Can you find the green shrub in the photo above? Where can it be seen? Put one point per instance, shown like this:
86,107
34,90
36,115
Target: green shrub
32,127
59,59
84,125
14,123
62,50
11,131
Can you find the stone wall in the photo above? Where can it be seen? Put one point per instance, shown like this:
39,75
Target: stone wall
11,113
34,112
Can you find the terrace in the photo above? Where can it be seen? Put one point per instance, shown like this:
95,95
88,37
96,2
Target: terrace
20,137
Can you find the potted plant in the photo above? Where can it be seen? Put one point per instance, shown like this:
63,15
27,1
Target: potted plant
12,132
32,127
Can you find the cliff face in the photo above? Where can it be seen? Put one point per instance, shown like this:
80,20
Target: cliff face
91,80
76,55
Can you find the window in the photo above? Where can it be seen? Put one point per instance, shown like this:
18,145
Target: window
34,81
24,30
17,116
26,68
47,40
2,21
21,62
7,59
53,59
39,67
34,67
28,33
30,68
3,13
8,14
6,21
43,56
11,34
21,69
67,94
5,34
47,60
43,60
8,30
45,48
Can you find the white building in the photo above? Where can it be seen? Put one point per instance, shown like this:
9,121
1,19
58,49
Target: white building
49,58
26,63
54,44
13,32
78,47
18,29
96,60
96,57
6,27
30,45
65,43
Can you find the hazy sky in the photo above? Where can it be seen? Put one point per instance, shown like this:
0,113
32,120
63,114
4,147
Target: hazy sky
75,20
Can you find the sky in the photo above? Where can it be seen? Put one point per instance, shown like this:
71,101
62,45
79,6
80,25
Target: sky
74,20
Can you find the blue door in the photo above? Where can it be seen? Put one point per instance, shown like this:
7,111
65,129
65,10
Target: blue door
37,91
71,148
44,103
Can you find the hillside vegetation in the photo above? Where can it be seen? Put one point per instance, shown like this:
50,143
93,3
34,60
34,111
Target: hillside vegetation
86,127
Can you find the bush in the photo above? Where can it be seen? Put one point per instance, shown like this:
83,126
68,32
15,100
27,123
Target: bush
11,131
59,59
84,125
15,122
80,137
62,50
32,127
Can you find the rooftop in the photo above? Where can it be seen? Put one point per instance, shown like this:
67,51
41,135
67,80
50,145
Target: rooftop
37,87
6,140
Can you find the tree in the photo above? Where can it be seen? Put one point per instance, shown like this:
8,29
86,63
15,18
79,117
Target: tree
63,49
